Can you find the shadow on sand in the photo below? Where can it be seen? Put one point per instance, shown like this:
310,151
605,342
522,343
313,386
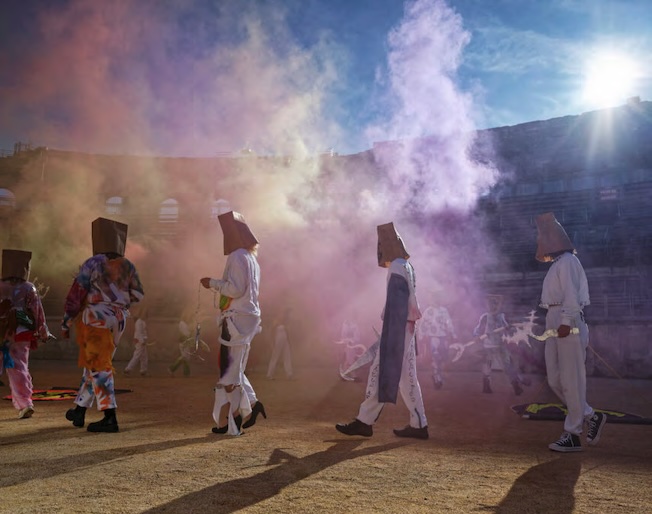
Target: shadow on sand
240,493
547,487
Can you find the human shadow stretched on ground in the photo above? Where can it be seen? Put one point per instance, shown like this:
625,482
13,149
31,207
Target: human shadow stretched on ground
547,487
41,469
240,493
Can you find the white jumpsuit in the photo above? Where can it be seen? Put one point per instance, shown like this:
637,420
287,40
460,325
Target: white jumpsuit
565,293
409,387
240,282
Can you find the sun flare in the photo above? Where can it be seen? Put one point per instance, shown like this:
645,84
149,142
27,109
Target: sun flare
610,79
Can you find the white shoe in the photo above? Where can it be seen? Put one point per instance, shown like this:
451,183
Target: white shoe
26,412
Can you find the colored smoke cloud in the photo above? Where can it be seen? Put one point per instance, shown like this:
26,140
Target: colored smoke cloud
195,79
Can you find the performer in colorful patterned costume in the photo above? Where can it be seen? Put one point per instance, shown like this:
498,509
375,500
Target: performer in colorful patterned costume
22,327
565,293
239,322
393,369
98,304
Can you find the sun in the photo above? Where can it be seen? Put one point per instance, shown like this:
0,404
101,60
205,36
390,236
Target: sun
610,79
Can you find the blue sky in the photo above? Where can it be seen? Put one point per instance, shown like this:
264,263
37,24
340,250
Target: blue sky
208,77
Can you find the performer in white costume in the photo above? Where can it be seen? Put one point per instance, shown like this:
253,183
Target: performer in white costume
239,322
493,326
393,369
351,349
281,348
437,328
565,293
140,357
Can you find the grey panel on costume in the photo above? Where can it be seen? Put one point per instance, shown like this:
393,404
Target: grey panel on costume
392,338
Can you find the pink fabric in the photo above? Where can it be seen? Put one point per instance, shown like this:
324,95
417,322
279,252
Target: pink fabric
20,379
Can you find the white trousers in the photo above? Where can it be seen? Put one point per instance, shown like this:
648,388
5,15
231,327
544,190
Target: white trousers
242,397
408,385
566,370
139,357
281,348
438,351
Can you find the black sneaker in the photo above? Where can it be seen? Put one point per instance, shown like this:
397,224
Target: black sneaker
415,433
356,427
595,422
567,443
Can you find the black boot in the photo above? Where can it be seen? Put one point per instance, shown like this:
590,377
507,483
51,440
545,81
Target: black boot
107,424
258,408
76,415
486,385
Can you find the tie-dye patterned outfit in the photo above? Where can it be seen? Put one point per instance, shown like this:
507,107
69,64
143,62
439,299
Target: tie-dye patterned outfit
22,325
98,301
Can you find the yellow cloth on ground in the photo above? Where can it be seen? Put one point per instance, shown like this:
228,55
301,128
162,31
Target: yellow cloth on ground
95,347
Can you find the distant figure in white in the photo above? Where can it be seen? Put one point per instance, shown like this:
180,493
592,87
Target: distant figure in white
437,328
281,348
352,349
139,357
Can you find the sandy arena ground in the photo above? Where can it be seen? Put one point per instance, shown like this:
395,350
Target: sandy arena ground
481,457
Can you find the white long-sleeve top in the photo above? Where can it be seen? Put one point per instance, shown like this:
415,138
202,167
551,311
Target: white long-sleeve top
403,268
240,281
565,285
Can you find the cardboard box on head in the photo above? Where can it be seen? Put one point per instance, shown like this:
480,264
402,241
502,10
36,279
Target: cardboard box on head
109,236
390,245
237,233
16,264
551,238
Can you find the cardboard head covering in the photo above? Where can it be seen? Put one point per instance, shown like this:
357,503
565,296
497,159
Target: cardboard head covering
109,236
15,263
552,237
390,245
237,233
